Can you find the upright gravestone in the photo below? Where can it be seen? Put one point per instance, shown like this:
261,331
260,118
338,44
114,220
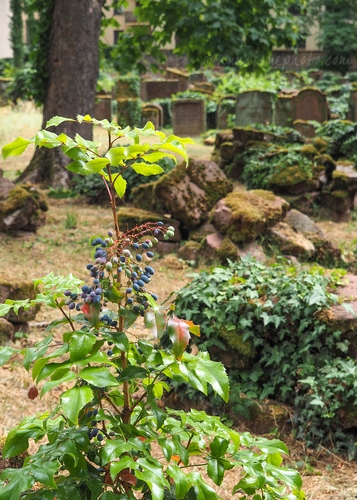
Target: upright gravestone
253,107
153,112
225,107
283,111
352,108
158,89
188,117
310,104
181,76
103,107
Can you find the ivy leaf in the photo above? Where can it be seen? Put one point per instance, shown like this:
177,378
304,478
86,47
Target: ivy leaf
147,169
73,401
57,120
178,331
15,148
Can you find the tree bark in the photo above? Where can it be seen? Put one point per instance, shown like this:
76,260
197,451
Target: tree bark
73,64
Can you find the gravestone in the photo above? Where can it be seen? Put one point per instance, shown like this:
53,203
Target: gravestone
283,111
129,112
103,107
181,76
352,107
253,107
223,110
305,128
310,104
158,89
127,88
153,112
188,117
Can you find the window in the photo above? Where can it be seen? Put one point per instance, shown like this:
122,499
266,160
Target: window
116,35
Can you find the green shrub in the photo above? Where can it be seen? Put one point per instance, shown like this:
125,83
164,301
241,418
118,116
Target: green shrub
273,317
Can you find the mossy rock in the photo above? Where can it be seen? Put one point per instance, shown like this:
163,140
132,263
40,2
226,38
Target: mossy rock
227,151
290,242
23,209
309,151
227,250
243,351
186,193
19,290
7,331
320,144
129,217
293,180
189,251
244,215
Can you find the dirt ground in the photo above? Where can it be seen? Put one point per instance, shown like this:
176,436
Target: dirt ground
62,248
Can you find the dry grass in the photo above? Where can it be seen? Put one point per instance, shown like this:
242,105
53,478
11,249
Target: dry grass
65,250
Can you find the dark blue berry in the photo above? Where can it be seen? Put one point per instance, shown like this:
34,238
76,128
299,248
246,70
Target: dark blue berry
96,281
136,287
98,291
89,414
100,437
89,266
110,352
136,245
67,293
110,343
78,307
144,278
72,305
122,258
128,290
95,432
150,254
160,223
95,412
113,323
149,269
96,299
156,232
110,234
129,300
154,296
139,257
136,309
145,246
141,283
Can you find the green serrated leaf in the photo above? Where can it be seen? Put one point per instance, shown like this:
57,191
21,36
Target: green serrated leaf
15,148
74,400
112,450
96,166
147,169
132,372
57,120
116,156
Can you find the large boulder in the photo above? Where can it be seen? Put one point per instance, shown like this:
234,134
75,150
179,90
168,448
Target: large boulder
244,215
22,207
188,194
7,331
290,242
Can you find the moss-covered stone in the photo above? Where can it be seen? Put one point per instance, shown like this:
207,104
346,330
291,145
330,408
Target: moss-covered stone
244,349
290,242
186,193
189,251
23,209
309,151
320,144
227,151
129,217
227,250
291,180
246,214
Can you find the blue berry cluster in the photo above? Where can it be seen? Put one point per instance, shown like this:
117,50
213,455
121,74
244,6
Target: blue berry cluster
123,263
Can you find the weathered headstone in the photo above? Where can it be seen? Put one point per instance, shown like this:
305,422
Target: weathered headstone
188,117
103,107
158,89
283,111
352,108
154,113
181,76
310,104
129,112
225,105
305,128
253,107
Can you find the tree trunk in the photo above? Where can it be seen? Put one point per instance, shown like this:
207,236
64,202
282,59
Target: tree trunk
73,63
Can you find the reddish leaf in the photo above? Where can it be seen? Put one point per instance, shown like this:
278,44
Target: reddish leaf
127,477
178,331
33,392
192,328
91,312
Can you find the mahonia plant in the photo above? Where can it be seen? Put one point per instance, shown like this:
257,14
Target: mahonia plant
110,436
